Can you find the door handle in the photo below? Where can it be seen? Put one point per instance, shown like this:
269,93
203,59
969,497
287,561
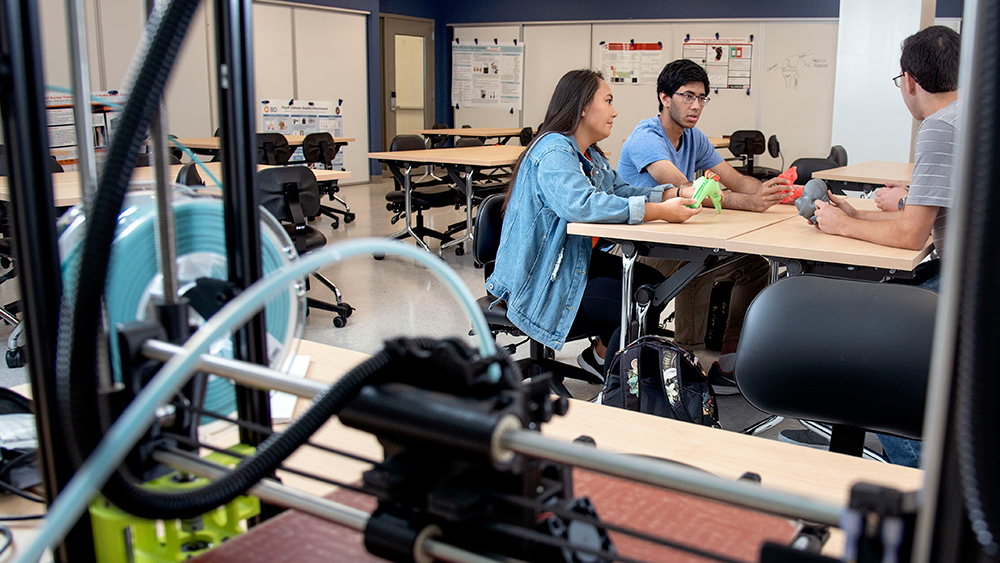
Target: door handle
392,101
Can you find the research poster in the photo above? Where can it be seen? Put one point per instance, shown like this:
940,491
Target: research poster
302,117
487,75
727,61
631,63
105,109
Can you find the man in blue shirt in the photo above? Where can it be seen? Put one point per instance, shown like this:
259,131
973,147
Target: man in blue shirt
669,149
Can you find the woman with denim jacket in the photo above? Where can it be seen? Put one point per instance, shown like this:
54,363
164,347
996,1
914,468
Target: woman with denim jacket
551,280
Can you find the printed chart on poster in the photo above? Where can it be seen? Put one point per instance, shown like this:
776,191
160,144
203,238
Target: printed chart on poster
105,108
487,75
631,63
727,61
301,117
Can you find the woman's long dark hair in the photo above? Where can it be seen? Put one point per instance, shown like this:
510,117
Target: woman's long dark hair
574,92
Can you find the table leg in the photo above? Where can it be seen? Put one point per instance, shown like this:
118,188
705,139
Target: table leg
628,263
407,199
465,186
774,269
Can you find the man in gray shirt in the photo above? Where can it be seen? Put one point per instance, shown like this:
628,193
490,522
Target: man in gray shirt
929,84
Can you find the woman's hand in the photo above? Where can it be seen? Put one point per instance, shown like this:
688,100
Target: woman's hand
674,210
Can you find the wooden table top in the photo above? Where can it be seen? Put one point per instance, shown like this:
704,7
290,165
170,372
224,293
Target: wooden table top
707,229
798,238
500,155
66,185
209,143
872,172
719,142
472,131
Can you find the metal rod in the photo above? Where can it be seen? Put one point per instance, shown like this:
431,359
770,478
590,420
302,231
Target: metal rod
683,479
628,262
166,245
250,375
287,497
272,492
83,114
22,109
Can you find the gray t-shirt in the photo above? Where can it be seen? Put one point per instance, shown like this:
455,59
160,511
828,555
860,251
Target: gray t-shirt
934,159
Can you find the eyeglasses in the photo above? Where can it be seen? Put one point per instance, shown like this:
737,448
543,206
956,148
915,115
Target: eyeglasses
896,80
689,98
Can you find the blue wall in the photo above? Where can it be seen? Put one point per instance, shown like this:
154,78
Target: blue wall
445,12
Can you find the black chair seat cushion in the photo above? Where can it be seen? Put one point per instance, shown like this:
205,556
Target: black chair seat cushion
839,351
497,316
806,167
305,239
426,197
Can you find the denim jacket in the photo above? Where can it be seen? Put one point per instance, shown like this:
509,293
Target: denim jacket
541,271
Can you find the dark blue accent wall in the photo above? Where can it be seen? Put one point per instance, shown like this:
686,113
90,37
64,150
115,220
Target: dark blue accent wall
445,12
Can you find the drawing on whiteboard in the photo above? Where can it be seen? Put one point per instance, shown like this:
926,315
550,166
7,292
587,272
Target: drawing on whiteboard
790,67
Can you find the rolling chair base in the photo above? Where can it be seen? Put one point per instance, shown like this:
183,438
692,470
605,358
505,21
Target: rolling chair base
343,310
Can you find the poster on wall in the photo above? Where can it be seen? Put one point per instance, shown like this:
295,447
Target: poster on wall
302,117
487,75
727,61
105,109
631,63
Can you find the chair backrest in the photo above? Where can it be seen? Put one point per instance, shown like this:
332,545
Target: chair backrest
489,220
773,146
747,143
290,193
318,147
806,167
526,136
838,154
272,148
188,175
845,352
468,142
438,141
407,143
54,165
144,160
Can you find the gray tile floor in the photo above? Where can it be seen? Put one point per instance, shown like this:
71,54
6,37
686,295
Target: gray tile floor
395,297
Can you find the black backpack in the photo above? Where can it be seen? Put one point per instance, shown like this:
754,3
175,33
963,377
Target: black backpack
661,378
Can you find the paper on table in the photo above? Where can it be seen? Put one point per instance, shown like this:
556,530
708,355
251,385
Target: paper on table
283,404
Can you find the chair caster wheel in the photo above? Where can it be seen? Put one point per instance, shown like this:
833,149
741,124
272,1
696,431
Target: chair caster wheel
477,265
349,217
339,322
348,310
335,223
460,250
15,358
378,256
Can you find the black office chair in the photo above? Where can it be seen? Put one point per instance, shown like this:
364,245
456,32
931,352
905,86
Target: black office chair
291,194
144,159
838,154
272,148
424,196
489,221
320,148
488,180
188,175
745,145
526,136
806,167
438,141
849,353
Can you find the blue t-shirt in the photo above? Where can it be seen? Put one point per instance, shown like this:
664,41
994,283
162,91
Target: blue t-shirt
648,143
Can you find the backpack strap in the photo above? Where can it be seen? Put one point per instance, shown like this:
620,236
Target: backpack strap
630,376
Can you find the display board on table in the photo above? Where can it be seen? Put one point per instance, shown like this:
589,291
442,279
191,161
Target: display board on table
302,117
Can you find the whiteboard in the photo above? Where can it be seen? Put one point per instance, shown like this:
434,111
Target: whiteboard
188,97
572,42
273,55
488,117
799,72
